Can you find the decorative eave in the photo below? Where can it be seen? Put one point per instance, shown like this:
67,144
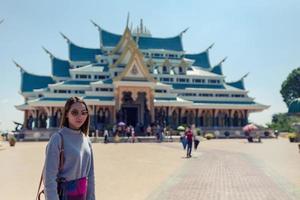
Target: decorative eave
239,84
201,59
136,56
217,69
60,68
125,39
30,81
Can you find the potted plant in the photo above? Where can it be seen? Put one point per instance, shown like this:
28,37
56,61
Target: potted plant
209,136
292,137
227,134
12,140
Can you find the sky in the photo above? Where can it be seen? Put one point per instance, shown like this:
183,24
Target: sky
261,37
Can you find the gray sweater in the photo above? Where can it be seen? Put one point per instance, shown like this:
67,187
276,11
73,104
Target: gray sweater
78,162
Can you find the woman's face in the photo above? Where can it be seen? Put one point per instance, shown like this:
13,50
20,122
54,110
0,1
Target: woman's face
77,115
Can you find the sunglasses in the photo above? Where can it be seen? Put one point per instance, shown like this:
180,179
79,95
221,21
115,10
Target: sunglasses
76,113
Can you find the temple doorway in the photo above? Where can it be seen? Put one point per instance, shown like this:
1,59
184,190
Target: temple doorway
130,115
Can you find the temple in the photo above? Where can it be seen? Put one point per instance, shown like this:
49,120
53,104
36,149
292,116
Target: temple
137,79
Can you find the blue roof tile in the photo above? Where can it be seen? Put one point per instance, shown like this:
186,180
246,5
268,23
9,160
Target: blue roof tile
109,39
217,69
201,59
238,84
83,54
60,67
172,43
29,82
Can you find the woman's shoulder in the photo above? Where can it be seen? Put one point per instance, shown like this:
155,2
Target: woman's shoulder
56,137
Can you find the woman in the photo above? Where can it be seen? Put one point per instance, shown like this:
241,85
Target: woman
76,177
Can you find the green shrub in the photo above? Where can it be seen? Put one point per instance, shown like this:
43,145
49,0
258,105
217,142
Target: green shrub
209,136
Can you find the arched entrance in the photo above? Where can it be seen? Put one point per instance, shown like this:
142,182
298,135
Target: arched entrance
133,111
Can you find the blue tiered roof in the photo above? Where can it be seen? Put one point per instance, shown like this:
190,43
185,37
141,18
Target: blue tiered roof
29,82
109,39
201,59
217,69
238,84
60,67
78,53
173,43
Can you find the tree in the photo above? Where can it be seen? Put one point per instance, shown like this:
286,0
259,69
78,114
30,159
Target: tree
283,122
290,88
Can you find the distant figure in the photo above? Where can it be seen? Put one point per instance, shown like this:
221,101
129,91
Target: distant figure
148,130
189,138
105,136
158,132
182,139
132,135
196,138
276,133
128,132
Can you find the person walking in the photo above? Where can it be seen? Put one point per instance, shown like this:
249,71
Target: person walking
69,165
189,138
105,136
196,137
132,135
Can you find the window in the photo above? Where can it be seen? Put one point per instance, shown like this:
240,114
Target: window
180,70
205,95
238,95
62,91
213,81
198,80
183,80
100,77
222,95
165,69
83,76
188,94
116,73
77,76
161,91
104,89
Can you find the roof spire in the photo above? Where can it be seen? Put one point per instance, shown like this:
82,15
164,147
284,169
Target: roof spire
65,37
210,46
96,25
141,26
127,21
48,52
245,76
18,66
224,59
182,32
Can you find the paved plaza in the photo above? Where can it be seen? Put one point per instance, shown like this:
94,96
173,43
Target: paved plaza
220,170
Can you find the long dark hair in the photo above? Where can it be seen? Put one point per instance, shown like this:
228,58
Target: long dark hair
65,122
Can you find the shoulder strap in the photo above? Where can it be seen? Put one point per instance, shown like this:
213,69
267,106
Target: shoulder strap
61,153
60,167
